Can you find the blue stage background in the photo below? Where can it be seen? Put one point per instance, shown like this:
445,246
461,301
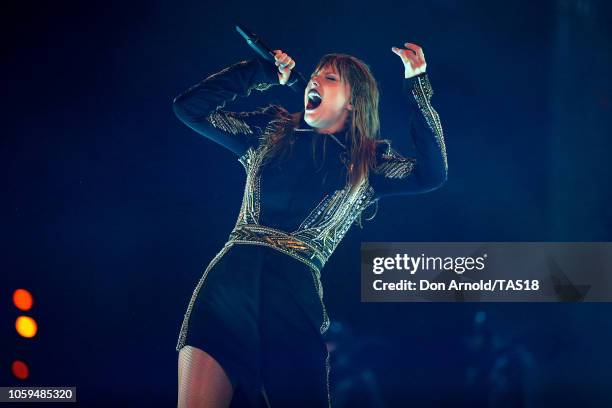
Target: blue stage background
112,208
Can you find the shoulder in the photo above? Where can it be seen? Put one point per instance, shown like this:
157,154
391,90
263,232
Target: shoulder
278,118
274,114
383,150
259,118
274,110
390,163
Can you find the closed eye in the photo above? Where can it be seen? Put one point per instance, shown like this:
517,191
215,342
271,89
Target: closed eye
331,77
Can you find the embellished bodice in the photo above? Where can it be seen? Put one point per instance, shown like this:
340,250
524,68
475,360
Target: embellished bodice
310,205
304,206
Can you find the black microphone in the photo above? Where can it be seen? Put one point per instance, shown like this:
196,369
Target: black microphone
298,83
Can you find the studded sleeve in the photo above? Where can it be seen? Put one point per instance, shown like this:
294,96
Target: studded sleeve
396,174
201,106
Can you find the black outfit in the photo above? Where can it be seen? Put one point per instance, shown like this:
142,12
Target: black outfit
258,308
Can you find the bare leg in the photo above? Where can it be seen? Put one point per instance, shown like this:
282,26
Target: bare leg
202,383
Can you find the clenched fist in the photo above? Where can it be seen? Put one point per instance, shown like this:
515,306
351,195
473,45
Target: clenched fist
285,64
413,59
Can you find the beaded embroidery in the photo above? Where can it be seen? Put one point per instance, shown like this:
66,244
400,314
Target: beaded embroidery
317,236
229,122
423,92
185,326
394,165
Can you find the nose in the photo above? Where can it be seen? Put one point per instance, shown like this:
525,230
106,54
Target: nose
314,82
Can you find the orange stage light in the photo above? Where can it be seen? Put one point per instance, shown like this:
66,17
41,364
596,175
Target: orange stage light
26,326
23,299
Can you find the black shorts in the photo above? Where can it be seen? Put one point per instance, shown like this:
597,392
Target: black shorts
258,313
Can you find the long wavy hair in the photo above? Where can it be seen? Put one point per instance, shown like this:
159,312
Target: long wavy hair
363,124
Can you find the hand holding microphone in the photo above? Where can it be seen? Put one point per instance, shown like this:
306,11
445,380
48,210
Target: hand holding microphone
285,64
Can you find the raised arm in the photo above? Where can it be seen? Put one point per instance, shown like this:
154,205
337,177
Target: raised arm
396,174
200,107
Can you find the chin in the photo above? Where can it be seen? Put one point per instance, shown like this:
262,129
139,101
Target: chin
310,120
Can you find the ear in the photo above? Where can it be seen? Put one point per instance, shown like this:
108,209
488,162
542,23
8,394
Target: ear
349,107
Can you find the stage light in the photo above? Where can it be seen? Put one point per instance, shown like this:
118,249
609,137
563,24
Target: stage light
23,299
26,326
20,369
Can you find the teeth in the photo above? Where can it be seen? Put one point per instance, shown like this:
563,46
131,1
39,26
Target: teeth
313,95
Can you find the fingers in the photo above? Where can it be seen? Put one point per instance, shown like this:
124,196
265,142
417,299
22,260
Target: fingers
285,64
413,54
407,56
291,64
418,51
282,60
414,48
413,59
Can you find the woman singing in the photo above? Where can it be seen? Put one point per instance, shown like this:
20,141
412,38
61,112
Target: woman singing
252,332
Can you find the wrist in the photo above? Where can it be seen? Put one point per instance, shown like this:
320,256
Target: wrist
411,74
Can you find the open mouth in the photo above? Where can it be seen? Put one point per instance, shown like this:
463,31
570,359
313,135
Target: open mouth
314,100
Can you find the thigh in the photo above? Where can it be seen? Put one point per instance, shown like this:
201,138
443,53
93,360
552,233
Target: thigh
294,363
202,381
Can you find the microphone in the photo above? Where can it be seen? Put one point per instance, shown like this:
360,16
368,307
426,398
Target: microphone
298,83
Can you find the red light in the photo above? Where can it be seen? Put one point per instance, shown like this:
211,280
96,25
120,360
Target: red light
20,369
